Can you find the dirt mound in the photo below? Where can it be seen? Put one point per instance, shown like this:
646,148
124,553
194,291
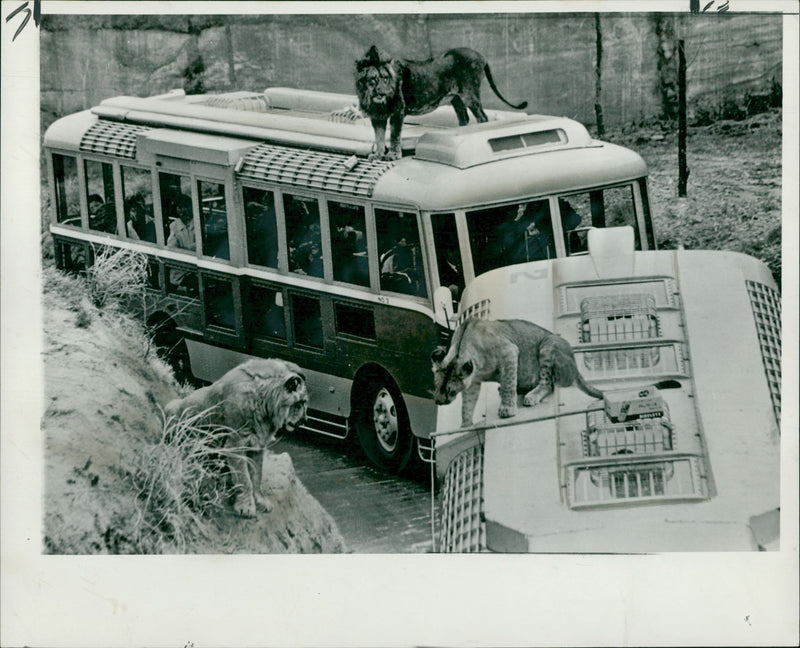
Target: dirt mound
103,387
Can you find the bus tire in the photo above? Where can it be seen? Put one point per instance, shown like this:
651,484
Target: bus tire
382,423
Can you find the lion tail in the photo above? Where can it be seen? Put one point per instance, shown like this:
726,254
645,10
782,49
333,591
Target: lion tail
586,388
520,106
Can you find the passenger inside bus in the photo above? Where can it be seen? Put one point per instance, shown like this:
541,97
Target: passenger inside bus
181,223
450,272
138,223
400,260
401,269
574,236
304,235
262,233
101,216
348,245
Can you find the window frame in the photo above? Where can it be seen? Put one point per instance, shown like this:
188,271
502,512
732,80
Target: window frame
425,252
160,241
117,184
216,333
280,228
259,342
352,337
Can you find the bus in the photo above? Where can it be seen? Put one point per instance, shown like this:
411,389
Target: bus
270,233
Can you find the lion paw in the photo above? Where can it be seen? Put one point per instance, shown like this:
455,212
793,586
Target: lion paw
531,399
263,502
244,506
507,411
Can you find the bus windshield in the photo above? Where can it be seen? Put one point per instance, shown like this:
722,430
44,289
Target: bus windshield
521,232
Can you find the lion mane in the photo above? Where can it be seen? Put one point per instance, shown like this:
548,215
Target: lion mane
256,400
389,89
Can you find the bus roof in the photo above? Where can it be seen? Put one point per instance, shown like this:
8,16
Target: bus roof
512,156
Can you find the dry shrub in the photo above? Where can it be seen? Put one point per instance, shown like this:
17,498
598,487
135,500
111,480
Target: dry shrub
115,275
182,483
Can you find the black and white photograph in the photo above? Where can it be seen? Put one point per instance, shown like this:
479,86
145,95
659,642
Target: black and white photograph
390,283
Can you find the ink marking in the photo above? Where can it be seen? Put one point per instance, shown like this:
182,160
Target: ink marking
37,16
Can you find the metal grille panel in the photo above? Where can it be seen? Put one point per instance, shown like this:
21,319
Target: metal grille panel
112,138
479,310
616,318
624,483
766,305
604,438
462,504
313,169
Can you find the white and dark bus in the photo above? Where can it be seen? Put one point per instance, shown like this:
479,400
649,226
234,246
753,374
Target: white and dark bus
271,234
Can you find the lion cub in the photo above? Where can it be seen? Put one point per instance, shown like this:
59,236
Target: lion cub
256,400
521,356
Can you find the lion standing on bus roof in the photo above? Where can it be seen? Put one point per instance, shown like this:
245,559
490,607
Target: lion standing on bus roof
388,89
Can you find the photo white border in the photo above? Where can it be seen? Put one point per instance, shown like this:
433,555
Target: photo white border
361,600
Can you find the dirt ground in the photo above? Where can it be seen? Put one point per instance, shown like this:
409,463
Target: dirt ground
733,199
103,389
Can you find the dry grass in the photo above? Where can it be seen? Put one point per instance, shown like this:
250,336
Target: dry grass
181,483
116,275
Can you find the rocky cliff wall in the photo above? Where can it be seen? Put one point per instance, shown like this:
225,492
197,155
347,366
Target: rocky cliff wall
547,59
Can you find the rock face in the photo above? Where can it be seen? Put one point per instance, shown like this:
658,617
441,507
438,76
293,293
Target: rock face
546,59
103,388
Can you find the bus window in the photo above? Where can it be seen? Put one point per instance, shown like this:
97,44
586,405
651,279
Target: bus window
348,243
605,207
502,236
261,226
400,258
265,313
137,194
218,300
181,281
307,321
303,235
176,210
448,257
68,206
100,196
213,219
355,321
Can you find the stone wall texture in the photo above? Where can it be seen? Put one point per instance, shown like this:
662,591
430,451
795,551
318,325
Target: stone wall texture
547,59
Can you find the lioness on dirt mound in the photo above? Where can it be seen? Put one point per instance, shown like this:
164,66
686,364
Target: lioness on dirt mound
388,89
255,400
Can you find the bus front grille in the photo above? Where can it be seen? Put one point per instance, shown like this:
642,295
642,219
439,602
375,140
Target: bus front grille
463,530
766,305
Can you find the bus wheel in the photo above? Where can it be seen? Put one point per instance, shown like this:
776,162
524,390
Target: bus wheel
382,425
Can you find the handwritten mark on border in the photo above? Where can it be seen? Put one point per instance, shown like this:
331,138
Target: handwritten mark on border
37,16
720,6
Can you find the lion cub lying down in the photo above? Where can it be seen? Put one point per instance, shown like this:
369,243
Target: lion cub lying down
521,356
256,400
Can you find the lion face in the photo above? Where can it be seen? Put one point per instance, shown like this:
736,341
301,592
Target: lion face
449,380
376,82
289,410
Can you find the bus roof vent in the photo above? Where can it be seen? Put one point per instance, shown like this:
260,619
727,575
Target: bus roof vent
313,169
467,146
249,101
112,138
